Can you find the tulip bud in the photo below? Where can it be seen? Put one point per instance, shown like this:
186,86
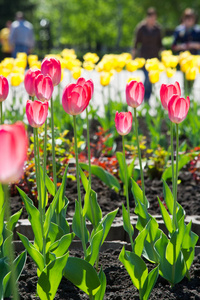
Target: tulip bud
52,67
167,91
36,112
43,87
178,108
123,122
29,81
13,151
4,88
134,93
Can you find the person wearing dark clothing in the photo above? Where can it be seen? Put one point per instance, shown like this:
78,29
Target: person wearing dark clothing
187,34
148,43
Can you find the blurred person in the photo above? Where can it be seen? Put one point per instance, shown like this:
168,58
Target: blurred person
148,43
187,34
21,35
4,39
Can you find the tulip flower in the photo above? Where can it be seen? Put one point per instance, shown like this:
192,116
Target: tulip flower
29,81
36,112
75,99
167,91
13,151
43,87
88,85
154,76
123,122
134,93
178,108
52,67
4,88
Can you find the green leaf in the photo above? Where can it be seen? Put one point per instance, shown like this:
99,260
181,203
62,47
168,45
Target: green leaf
138,194
95,246
188,246
149,283
106,222
50,278
101,292
61,202
120,159
169,199
34,218
82,275
50,186
61,246
135,267
4,270
166,218
103,175
185,158
49,213
140,239
1,197
153,235
32,251
126,222
13,220
2,224
77,225
55,234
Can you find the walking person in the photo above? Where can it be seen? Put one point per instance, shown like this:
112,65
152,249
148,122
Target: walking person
21,35
148,43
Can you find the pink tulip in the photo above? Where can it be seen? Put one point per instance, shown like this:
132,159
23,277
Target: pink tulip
52,67
4,88
134,93
178,108
43,87
123,122
29,81
167,91
13,151
36,112
88,85
75,98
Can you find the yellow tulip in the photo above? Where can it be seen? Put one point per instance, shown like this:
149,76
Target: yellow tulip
76,72
170,72
32,59
22,63
21,55
8,63
137,78
152,64
5,72
154,76
92,57
16,79
131,65
70,64
67,53
105,78
36,64
191,73
140,61
18,70
88,65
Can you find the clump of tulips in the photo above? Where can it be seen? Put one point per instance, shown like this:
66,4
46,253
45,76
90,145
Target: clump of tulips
172,254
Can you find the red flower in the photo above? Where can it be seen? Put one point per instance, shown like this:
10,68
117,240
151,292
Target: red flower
29,81
134,93
13,151
36,112
43,87
52,67
178,108
123,122
89,86
76,97
4,88
167,91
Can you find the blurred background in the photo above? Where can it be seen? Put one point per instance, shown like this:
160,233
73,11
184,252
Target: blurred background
101,26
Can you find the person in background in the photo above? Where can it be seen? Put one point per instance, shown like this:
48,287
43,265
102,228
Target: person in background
4,39
21,35
187,34
148,43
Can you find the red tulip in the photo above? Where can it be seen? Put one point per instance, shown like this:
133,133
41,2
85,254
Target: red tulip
52,67
178,108
123,122
43,87
36,112
75,98
167,91
29,81
13,151
88,85
4,88
134,93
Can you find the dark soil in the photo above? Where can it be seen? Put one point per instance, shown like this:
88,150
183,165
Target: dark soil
119,285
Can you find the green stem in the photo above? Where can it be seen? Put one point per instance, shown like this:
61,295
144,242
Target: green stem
40,197
53,146
44,160
35,156
1,112
172,156
13,277
126,189
176,178
79,189
140,158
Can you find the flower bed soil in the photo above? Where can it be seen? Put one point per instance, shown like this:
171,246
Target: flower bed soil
119,284
109,200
